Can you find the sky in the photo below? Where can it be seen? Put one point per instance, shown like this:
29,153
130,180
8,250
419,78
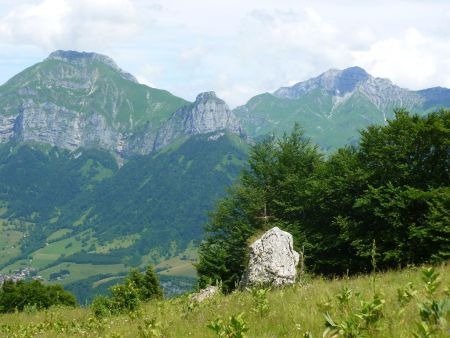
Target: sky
237,48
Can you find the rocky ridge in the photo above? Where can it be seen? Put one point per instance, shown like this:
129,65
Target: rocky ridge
333,107
78,99
341,84
207,114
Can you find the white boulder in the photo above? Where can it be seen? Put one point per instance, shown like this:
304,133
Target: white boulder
272,260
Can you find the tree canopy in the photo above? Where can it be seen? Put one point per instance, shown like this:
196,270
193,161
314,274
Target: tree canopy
393,188
19,295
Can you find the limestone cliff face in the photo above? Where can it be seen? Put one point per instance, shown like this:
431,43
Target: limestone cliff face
207,114
342,84
77,99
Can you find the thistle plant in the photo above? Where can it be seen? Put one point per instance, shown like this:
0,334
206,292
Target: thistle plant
432,311
235,328
260,301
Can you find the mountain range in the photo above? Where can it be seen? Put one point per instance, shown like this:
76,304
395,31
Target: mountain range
334,106
99,173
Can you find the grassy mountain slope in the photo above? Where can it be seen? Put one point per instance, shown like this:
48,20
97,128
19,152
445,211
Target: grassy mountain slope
86,88
291,311
328,126
76,211
333,107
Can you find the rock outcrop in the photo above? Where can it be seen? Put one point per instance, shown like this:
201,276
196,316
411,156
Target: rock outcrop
342,84
207,114
204,294
272,261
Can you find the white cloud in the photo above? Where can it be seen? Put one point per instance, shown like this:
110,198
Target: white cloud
414,60
150,74
237,48
52,24
193,52
274,48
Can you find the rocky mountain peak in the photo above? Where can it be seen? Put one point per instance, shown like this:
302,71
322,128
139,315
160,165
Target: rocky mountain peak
348,79
82,58
205,96
335,81
207,114
208,101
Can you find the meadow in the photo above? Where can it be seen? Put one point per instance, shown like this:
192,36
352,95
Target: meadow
389,304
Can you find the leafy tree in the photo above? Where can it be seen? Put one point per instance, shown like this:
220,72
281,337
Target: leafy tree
405,205
393,188
18,295
137,287
273,190
147,283
337,184
409,150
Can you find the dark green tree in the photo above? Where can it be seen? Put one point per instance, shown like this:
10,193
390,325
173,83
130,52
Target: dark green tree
18,295
146,283
393,188
405,205
273,190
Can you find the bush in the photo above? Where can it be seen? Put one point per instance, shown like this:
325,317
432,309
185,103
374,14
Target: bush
101,306
147,284
127,297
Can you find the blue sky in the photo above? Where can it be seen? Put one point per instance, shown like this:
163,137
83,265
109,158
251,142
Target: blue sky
236,48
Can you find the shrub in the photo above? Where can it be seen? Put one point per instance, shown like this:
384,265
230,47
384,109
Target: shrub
236,327
101,306
125,298
147,284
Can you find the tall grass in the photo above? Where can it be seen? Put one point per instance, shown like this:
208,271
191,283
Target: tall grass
297,311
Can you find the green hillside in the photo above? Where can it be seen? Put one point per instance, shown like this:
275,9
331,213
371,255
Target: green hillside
327,126
297,311
36,180
86,88
78,212
333,107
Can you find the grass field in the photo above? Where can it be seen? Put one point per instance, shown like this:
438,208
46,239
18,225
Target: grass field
177,267
291,312
82,271
58,234
53,251
118,243
105,280
181,265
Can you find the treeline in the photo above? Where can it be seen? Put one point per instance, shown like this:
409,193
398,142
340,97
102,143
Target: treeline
17,296
393,190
